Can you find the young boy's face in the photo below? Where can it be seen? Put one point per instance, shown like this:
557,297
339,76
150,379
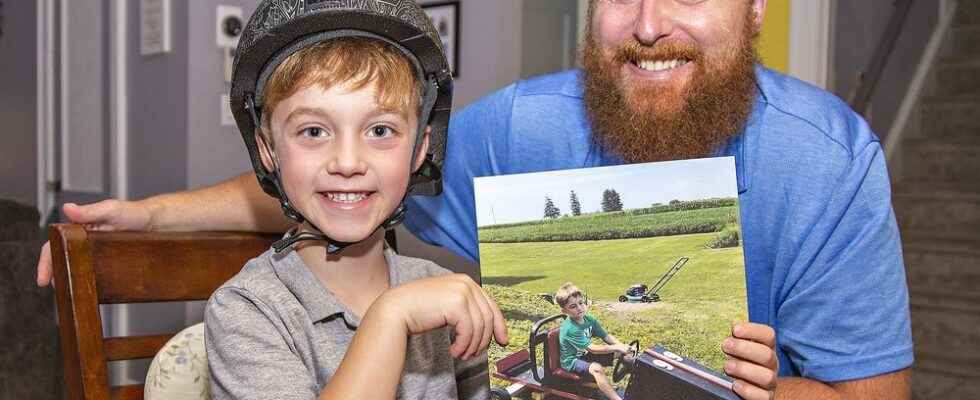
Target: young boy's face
575,308
344,159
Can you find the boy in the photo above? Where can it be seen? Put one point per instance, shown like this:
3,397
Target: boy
343,107
575,336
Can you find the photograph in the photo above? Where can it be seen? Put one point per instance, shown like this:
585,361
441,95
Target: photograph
641,259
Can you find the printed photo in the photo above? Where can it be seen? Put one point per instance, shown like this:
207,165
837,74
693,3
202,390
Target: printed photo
604,273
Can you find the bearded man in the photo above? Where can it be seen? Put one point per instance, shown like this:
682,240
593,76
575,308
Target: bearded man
663,80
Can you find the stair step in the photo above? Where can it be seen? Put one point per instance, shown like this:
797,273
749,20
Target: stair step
965,40
943,215
923,242
958,78
953,119
931,383
947,333
923,186
967,12
934,271
934,160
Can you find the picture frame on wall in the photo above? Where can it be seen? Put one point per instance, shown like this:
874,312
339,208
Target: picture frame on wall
445,18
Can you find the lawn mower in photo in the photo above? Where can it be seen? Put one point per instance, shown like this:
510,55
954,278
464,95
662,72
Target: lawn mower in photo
638,293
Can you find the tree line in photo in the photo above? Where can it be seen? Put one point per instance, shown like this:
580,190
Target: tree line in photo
677,217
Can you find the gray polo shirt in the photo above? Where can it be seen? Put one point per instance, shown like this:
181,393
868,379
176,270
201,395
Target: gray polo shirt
274,332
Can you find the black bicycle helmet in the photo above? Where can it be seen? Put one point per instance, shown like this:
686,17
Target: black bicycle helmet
279,28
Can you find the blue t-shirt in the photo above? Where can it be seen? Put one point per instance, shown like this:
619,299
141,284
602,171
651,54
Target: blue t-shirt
823,256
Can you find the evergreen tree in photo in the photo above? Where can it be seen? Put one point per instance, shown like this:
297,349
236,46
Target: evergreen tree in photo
550,209
576,206
611,201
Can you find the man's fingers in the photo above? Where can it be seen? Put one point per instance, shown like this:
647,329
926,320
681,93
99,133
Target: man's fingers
44,268
755,332
751,373
750,351
751,392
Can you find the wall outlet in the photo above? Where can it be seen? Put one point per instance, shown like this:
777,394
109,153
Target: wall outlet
228,26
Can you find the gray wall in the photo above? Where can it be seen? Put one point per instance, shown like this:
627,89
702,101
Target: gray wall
490,47
18,102
157,102
214,152
859,26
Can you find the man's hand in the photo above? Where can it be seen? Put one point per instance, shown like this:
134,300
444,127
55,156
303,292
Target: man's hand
752,360
107,215
453,300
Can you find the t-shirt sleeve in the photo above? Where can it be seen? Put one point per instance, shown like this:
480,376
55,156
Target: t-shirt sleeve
247,354
844,311
447,220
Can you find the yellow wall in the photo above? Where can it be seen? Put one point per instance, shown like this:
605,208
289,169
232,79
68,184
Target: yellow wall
773,42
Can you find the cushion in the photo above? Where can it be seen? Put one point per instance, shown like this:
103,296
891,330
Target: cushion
180,369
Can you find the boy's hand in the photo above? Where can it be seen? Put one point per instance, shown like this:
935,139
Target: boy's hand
453,300
752,360
622,348
106,215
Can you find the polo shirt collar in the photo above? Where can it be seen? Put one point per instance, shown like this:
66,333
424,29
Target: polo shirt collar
315,298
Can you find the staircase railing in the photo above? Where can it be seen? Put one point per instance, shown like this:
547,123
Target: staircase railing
872,74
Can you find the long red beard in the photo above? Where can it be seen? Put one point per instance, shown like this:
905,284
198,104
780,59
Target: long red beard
644,123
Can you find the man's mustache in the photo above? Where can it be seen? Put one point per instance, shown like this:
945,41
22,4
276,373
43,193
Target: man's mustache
634,52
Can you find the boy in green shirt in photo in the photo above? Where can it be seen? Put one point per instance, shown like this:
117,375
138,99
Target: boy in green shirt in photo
575,339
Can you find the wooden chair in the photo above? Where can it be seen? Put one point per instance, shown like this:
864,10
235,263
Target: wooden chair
93,268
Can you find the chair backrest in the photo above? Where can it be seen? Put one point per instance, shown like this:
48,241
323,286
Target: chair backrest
552,351
93,268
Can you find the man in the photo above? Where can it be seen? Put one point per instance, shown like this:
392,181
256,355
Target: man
672,79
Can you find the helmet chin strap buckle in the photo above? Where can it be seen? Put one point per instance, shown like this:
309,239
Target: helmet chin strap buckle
292,237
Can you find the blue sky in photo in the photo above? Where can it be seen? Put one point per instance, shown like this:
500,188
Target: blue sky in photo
517,198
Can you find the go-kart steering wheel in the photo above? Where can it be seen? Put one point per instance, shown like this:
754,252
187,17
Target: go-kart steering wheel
622,367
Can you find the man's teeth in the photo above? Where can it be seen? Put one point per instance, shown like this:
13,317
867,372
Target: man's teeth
661,65
347,197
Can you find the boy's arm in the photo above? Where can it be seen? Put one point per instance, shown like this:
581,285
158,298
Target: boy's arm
416,307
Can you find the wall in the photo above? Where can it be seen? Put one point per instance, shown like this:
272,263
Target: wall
18,102
158,96
773,41
214,152
490,48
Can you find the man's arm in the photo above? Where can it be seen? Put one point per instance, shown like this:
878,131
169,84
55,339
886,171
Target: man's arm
889,386
753,364
238,204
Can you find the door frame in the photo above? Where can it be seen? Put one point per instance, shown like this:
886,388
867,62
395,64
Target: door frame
811,40
49,55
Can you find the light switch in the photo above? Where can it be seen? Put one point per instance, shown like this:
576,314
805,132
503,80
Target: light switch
154,27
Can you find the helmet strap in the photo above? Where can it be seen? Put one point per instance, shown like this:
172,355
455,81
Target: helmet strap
428,103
